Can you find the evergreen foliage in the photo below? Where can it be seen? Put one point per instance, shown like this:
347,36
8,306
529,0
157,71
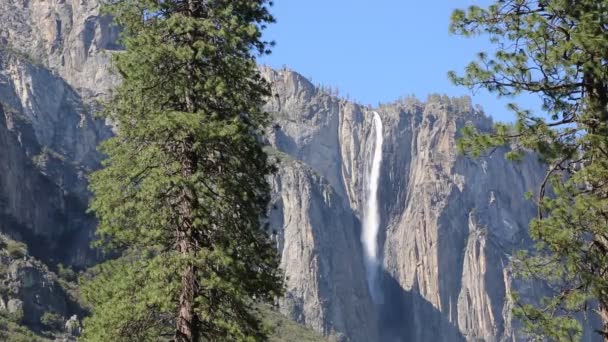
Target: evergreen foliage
15,249
558,50
183,190
284,329
52,321
11,331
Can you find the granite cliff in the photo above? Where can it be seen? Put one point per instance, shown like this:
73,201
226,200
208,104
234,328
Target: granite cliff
448,224
53,69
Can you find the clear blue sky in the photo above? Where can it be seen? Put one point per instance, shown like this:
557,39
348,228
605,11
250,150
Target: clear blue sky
376,51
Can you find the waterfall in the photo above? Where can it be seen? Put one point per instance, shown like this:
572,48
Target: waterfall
371,215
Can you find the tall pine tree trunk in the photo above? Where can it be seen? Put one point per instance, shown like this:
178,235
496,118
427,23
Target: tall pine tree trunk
187,322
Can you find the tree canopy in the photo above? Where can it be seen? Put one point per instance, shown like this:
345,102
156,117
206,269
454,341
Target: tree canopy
558,50
183,193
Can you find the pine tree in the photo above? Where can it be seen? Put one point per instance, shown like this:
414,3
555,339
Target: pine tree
558,50
183,192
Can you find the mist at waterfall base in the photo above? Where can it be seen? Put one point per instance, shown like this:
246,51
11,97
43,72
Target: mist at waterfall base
386,296
371,216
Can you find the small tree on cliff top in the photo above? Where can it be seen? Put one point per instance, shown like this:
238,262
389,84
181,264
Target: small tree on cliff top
183,190
557,49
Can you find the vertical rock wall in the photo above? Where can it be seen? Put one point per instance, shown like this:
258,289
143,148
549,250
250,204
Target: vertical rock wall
449,224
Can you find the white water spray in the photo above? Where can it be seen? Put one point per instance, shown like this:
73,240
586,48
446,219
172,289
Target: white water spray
371,218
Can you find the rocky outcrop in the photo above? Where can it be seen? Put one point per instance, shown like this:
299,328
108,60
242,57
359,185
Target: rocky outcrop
449,224
48,140
450,234
53,69
71,38
28,289
52,73
318,236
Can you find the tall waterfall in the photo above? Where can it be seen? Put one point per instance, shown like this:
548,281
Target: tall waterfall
371,215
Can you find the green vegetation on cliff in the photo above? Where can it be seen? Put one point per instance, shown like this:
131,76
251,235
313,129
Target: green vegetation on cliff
11,331
283,329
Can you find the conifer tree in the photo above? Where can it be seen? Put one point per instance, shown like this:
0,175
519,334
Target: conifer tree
558,50
183,192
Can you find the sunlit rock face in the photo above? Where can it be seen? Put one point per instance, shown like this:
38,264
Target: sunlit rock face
448,224
69,37
53,69
318,238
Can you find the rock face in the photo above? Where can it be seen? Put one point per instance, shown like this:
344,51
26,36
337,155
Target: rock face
48,144
28,289
317,234
69,37
52,70
449,224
